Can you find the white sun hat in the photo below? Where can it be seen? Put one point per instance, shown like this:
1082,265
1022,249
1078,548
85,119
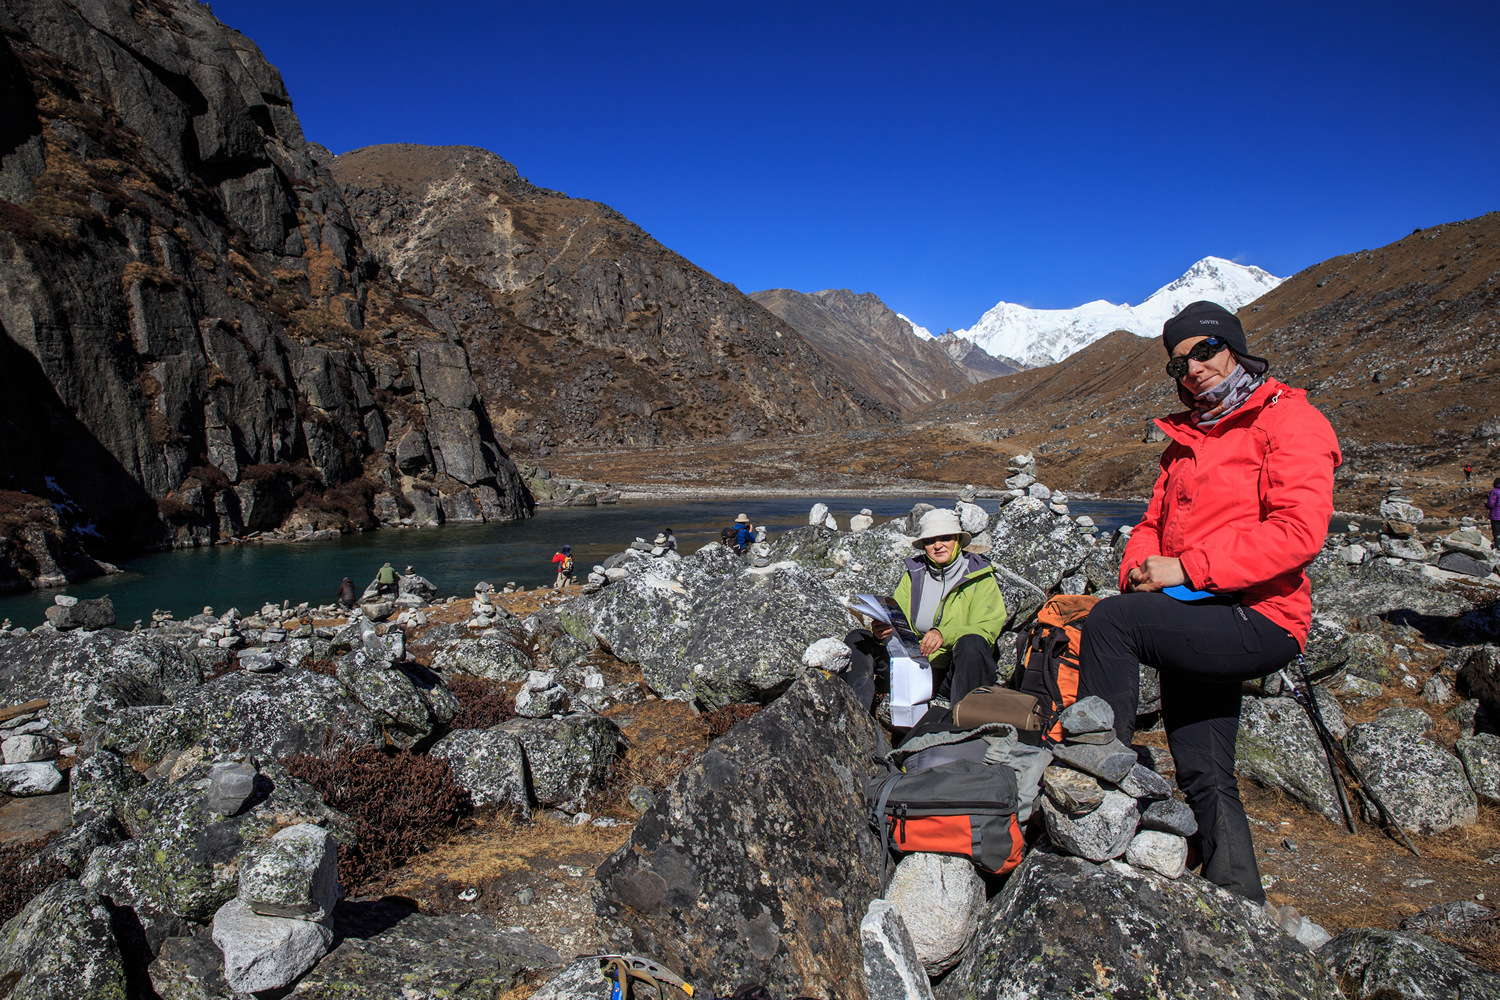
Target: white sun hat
936,523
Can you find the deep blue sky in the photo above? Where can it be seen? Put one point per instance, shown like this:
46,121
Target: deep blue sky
944,156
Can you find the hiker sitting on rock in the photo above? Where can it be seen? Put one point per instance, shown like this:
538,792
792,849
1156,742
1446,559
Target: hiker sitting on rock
385,579
952,600
347,593
1241,506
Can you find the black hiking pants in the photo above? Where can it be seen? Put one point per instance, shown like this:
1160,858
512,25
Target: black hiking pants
1204,651
972,665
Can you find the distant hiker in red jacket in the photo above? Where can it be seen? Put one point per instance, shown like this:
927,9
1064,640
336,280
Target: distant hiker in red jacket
1493,503
1240,508
1468,473
563,562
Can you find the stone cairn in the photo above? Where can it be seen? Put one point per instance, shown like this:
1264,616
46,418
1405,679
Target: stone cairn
279,925
32,747
1465,551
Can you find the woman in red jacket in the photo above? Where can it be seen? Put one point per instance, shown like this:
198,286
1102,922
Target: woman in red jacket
1213,589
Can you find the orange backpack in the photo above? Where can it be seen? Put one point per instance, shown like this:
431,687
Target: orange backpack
1047,657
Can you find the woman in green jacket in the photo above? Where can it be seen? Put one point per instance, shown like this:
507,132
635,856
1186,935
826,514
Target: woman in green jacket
952,600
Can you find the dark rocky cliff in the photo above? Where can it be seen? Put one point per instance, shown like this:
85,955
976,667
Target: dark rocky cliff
192,342
582,329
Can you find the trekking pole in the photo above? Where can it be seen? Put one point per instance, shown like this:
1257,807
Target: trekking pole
1365,788
1325,738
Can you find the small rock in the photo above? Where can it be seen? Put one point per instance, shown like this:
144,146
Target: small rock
827,654
1157,851
29,748
1144,783
1109,763
266,953
1088,715
939,897
257,660
1170,816
1098,836
892,969
230,786
1074,792
22,780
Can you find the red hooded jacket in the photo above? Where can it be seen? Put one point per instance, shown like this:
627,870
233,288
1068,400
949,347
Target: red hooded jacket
1245,504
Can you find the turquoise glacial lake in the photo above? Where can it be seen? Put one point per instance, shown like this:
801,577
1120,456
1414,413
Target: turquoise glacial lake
453,557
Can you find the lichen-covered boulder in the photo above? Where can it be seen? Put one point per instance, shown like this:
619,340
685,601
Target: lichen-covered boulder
1039,545
1278,747
182,862
1422,784
566,758
386,951
719,639
1392,965
1065,927
61,946
100,782
294,874
496,654
407,702
758,863
1480,755
489,764
1328,645
89,675
274,715
864,562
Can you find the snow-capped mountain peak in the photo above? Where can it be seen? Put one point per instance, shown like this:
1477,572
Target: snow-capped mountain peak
1044,336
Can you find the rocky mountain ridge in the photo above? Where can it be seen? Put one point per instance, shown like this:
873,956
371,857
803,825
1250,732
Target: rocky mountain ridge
583,330
875,347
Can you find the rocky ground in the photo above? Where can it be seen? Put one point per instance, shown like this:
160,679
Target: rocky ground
615,724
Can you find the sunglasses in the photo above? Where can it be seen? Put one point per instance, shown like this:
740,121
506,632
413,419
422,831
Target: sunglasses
1201,351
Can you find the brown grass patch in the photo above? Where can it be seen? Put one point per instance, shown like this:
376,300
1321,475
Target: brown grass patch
482,703
496,845
20,880
662,738
401,803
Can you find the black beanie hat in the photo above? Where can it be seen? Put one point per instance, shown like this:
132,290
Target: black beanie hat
1209,319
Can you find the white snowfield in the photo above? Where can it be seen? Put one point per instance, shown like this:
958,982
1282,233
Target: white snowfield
1045,336
920,331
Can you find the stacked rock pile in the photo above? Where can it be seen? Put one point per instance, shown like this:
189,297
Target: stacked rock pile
279,925
1101,803
617,567
32,747
1399,542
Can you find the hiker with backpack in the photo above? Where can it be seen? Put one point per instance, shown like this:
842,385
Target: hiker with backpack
1212,581
563,561
738,535
952,600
